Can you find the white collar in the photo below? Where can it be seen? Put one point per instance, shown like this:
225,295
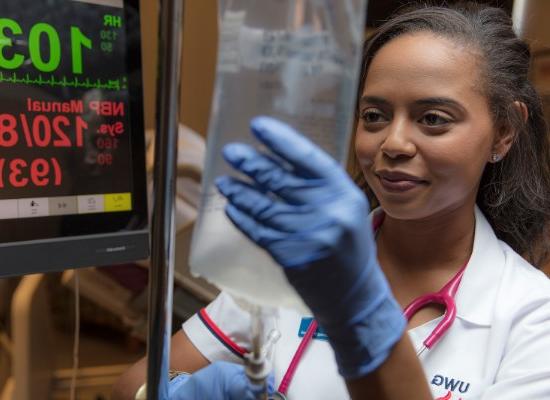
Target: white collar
476,296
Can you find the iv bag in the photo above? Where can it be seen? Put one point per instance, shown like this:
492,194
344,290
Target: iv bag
295,60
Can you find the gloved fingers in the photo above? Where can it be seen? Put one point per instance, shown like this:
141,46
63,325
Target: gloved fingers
297,252
308,159
175,390
240,387
290,250
219,380
267,211
307,247
271,176
261,235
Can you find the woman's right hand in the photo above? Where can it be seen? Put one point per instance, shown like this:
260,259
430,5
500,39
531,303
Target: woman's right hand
307,213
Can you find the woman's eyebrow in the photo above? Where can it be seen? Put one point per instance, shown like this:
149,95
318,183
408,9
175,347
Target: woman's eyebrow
428,101
440,101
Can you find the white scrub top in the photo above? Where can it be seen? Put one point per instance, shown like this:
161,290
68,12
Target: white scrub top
497,349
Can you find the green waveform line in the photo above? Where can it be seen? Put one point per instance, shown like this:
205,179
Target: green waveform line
110,84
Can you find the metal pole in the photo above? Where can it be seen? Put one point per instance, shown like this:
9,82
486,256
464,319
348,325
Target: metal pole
163,233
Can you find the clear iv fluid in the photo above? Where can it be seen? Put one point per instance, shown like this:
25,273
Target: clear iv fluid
296,60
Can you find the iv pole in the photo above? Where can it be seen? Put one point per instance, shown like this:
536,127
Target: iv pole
161,275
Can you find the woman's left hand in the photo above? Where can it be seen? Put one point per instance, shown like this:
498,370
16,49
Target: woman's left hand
220,380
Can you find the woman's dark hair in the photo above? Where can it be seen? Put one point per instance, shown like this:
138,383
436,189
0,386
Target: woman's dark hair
514,193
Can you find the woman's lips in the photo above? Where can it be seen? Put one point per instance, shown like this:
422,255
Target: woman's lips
399,182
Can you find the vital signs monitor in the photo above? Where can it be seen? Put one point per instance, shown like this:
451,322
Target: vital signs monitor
72,175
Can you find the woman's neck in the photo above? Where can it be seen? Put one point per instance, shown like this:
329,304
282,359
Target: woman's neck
420,256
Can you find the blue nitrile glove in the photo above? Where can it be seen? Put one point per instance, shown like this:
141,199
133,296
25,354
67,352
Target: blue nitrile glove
220,381
307,213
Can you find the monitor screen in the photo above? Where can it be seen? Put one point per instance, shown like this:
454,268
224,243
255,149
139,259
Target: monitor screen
72,175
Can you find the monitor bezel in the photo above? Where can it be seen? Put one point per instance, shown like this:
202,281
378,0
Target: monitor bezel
34,251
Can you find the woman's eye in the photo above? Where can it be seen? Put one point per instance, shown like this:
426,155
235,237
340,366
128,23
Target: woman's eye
434,119
371,116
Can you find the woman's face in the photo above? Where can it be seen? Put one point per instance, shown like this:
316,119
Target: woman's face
425,131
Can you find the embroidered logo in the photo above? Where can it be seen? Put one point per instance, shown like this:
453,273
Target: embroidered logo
451,384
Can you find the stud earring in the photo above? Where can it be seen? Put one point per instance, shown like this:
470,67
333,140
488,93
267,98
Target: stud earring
496,157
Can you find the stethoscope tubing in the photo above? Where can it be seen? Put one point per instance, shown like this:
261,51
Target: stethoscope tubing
445,297
291,370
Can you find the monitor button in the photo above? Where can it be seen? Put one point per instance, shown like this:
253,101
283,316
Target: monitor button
63,205
91,204
34,207
8,209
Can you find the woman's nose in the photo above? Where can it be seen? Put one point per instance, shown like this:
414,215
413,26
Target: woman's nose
398,141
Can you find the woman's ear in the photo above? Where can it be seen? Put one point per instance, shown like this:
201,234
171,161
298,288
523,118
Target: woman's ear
505,136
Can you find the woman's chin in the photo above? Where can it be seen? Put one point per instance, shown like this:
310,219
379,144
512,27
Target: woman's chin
399,207
402,212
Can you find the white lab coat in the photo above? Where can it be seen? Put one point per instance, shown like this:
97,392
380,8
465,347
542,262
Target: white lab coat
497,349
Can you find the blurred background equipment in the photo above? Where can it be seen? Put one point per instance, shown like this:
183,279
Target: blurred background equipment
531,22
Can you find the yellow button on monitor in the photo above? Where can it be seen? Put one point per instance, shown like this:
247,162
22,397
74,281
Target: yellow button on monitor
118,202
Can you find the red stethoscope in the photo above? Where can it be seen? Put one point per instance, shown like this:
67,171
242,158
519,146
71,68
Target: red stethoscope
444,297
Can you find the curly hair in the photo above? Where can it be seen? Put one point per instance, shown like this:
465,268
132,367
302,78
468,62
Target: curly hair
514,193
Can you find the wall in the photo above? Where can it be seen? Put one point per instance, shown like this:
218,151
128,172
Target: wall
531,22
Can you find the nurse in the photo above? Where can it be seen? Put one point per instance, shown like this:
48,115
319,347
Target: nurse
452,149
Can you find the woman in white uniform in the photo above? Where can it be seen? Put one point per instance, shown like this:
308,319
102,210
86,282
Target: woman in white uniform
452,146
